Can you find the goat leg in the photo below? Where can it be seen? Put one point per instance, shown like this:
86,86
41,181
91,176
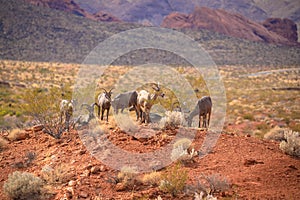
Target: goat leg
107,113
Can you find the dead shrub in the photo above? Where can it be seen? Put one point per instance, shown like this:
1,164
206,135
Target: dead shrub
3,143
291,144
152,178
57,175
24,185
275,133
173,119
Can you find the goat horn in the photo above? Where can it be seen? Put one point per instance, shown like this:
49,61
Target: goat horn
84,104
111,89
104,90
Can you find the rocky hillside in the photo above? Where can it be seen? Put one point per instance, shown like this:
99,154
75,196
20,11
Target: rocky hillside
72,7
32,33
284,27
223,22
248,168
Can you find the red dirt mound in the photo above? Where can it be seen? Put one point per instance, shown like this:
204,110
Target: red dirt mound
256,169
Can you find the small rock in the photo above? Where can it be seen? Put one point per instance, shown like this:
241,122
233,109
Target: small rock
69,193
95,170
23,135
53,158
73,161
72,183
120,187
238,122
28,129
102,168
83,194
81,152
38,128
249,162
85,173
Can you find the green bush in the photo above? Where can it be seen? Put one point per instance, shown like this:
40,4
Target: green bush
43,106
174,180
23,185
291,145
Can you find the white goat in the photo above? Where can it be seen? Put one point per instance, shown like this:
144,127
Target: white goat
203,108
66,109
145,101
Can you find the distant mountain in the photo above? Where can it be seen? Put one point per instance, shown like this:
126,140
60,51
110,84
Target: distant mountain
220,21
72,7
32,33
155,10
247,8
152,12
281,8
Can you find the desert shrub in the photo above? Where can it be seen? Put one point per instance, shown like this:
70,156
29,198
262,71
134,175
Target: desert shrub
57,175
43,106
174,180
3,143
172,120
291,144
152,178
275,133
201,196
182,151
210,184
29,157
248,116
184,142
23,185
127,175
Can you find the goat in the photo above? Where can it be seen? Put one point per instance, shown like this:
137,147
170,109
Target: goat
90,109
66,109
145,101
203,108
125,100
104,103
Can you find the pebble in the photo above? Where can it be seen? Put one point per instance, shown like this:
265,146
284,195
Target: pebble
72,183
95,170
83,194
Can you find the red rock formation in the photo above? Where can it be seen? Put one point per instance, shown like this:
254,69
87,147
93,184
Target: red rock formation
72,7
106,17
220,21
284,27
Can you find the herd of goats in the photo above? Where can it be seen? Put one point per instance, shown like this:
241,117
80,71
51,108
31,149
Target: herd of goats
138,101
